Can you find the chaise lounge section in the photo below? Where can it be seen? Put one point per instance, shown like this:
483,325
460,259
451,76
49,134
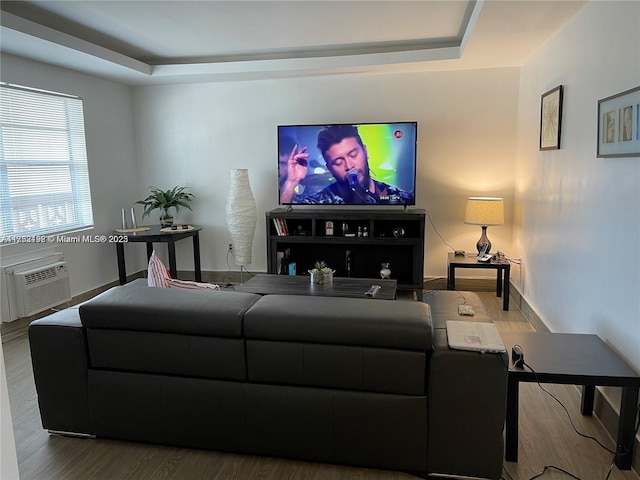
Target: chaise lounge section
347,381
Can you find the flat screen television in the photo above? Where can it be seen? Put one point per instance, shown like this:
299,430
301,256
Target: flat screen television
347,164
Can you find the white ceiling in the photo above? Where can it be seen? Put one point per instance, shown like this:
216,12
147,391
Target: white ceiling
149,42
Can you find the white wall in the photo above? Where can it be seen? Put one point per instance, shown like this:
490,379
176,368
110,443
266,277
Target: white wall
194,134
577,222
112,169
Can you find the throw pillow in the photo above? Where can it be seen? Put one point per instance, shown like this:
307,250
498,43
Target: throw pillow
157,276
173,283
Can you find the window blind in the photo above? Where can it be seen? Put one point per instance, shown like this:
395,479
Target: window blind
44,177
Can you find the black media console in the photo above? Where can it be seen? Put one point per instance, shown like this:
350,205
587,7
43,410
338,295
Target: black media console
361,241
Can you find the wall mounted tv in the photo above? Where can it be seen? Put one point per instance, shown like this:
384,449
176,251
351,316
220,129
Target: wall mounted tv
347,164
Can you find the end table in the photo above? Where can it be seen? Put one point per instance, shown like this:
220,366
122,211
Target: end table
560,358
154,234
503,274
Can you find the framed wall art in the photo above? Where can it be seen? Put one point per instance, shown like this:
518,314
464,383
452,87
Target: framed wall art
619,125
551,119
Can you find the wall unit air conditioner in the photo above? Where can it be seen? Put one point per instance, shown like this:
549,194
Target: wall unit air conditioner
40,288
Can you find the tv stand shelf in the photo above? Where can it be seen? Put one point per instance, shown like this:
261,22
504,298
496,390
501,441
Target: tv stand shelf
373,237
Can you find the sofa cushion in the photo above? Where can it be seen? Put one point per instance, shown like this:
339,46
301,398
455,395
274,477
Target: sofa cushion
368,369
167,310
346,343
344,321
444,306
167,353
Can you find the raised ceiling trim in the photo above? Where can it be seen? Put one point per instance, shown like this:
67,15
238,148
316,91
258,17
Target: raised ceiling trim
55,37
325,59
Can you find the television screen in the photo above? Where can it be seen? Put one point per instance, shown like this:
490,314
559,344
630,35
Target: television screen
347,164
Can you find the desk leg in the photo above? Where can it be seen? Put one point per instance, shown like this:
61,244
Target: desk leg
586,404
451,278
149,251
122,269
499,283
511,427
196,257
506,290
626,426
172,259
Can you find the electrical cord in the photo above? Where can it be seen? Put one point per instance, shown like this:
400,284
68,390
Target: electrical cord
463,297
507,472
549,467
434,291
224,278
566,411
437,232
515,261
242,267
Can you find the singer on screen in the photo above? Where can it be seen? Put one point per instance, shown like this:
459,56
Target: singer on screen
347,160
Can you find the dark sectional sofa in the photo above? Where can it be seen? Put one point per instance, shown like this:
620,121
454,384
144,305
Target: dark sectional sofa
349,381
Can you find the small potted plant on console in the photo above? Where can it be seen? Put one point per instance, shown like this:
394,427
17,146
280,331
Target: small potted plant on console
320,273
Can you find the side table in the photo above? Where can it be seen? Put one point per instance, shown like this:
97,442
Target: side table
155,235
573,359
503,274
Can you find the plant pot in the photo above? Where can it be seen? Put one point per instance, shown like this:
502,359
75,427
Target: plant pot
166,220
316,277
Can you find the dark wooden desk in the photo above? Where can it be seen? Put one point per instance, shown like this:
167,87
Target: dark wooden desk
574,359
154,235
503,274
301,285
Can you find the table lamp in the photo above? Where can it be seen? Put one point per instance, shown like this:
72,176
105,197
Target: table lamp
484,211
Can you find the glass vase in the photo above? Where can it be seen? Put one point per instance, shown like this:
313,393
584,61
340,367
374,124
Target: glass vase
166,220
385,272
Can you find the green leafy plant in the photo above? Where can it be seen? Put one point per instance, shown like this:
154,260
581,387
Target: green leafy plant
165,199
320,268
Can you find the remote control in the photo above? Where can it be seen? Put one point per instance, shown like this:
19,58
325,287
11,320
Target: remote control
373,290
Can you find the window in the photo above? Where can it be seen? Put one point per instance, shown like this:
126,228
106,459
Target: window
44,178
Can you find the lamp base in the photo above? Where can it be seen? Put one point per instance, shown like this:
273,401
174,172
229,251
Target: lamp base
483,239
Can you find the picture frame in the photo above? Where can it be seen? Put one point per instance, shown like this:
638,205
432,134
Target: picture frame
551,118
619,125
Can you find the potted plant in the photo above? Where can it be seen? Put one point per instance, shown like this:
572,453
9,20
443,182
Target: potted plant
164,200
320,273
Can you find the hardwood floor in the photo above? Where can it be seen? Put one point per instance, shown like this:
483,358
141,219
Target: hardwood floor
546,437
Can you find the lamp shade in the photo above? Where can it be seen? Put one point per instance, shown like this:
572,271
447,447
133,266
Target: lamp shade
484,211
241,215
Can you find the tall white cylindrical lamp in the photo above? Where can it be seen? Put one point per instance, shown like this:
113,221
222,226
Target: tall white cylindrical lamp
241,215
